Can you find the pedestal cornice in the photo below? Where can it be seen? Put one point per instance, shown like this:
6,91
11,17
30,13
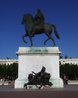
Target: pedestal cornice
38,50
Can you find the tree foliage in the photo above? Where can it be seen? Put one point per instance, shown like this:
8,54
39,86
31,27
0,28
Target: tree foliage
9,72
70,70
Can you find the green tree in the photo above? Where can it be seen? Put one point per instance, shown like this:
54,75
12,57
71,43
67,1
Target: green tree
9,71
71,70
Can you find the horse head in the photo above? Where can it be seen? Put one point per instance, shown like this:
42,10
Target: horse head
27,18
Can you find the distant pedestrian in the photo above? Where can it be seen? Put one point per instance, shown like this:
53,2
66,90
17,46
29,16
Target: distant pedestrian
65,79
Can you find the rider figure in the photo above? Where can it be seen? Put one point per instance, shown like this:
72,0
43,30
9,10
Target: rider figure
39,17
41,73
39,20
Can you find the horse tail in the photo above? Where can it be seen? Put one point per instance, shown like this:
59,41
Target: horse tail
55,31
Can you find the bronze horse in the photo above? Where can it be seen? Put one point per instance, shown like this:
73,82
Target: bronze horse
32,28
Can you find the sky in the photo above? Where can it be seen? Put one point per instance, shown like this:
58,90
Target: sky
62,13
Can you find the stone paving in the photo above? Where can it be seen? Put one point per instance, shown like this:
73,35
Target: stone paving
66,88
69,91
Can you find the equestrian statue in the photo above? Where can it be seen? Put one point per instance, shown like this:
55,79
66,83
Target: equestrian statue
36,25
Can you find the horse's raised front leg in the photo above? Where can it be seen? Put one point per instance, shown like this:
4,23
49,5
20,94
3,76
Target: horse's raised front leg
23,37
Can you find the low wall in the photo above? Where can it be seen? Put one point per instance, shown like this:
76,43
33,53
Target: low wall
73,82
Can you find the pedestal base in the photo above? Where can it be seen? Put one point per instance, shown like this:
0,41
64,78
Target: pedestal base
57,82
33,58
19,83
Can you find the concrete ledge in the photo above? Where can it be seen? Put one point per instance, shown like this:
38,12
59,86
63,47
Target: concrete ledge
73,82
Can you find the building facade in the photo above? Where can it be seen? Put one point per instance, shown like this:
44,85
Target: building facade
62,61
69,61
8,61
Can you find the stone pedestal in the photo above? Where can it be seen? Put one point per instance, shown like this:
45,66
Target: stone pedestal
33,58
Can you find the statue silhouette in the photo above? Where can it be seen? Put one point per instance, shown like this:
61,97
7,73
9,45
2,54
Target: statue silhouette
35,26
41,78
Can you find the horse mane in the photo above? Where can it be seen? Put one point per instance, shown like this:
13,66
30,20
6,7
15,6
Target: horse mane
28,15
